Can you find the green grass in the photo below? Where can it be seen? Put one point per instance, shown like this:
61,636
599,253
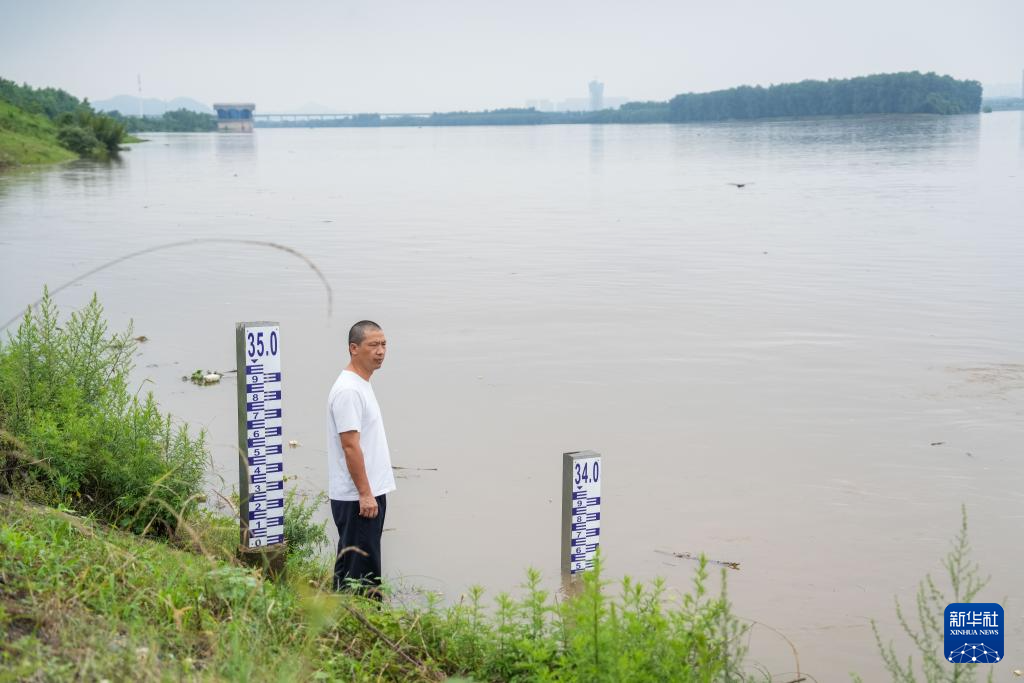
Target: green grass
28,139
80,600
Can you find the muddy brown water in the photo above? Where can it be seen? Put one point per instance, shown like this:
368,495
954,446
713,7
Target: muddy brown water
807,376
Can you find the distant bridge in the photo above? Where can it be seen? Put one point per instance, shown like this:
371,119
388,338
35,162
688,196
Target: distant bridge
334,116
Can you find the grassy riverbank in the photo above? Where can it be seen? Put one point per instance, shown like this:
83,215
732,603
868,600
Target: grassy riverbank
28,139
49,125
83,601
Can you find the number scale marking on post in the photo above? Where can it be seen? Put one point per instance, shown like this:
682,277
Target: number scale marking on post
581,511
260,440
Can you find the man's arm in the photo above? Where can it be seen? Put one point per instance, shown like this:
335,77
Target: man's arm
357,470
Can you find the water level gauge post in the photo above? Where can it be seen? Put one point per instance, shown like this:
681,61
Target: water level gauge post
260,445
581,514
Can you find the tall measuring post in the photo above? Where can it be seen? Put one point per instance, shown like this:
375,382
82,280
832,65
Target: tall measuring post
581,514
260,445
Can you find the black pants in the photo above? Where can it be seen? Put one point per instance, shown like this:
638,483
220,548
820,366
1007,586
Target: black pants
357,565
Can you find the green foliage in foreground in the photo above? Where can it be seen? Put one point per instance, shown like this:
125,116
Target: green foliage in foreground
927,635
73,434
637,635
81,601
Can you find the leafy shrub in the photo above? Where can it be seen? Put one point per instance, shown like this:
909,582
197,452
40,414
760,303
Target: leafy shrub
75,435
108,131
305,537
89,134
79,140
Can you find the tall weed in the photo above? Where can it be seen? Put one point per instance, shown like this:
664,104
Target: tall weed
965,582
74,435
637,635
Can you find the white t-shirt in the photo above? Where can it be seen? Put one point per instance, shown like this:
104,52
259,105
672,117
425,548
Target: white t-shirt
351,405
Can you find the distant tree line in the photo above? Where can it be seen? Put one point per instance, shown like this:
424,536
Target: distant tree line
79,128
177,121
50,102
633,112
898,93
1003,104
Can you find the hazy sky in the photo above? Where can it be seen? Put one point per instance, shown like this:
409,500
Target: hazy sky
440,55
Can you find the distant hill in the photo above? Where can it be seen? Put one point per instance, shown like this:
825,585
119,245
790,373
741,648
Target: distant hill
151,106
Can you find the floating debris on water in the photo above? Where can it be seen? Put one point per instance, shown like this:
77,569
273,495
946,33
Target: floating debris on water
691,556
142,339
203,377
293,444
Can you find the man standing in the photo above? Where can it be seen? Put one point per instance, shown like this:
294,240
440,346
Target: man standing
358,463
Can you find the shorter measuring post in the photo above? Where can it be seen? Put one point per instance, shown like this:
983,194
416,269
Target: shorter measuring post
260,445
581,514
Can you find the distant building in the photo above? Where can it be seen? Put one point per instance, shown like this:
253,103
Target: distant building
596,95
579,103
540,105
235,117
573,104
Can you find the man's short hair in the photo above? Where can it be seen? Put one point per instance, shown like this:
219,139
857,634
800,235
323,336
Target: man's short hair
357,334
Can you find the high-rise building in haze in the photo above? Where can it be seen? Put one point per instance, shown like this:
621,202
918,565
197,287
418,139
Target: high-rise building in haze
596,95
596,102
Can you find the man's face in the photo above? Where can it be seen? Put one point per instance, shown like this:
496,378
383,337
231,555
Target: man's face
370,354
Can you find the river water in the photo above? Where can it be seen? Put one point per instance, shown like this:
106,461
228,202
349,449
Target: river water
808,375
